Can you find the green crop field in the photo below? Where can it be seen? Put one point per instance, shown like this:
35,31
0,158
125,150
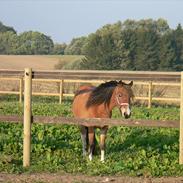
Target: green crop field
57,148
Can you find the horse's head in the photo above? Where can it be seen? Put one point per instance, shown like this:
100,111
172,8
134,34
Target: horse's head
122,97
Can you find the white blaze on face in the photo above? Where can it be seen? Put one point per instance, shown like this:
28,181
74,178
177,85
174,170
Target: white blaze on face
125,110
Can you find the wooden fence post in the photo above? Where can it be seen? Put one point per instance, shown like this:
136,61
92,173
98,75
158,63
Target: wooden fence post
61,91
150,95
181,122
21,90
27,117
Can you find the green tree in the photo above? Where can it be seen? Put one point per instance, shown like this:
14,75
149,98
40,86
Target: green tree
178,45
59,49
4,28
147,57
159,26
167,53
130,45
34,43
8,43
76,46
105,49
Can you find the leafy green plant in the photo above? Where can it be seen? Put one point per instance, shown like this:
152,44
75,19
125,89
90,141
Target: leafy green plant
57,148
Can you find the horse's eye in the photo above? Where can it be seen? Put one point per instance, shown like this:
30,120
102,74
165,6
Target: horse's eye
120,95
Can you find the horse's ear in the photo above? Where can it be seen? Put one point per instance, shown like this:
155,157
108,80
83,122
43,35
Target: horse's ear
120,82
131,83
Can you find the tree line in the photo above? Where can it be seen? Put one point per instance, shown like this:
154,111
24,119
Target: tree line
130,45
27,43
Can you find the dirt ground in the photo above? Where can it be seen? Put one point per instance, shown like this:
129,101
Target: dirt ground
67,178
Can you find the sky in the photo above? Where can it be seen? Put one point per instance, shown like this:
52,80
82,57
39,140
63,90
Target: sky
64,20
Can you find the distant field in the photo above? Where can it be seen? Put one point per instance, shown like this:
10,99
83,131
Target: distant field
45,62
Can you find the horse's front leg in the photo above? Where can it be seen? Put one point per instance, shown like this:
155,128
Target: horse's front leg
91,136
103,133
84,138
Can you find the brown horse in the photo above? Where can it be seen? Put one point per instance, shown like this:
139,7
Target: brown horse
98,102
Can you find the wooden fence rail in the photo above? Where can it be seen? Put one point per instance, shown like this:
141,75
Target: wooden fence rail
96,75
94,121
61,93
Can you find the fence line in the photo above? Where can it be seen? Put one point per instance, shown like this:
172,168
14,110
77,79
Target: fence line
94,121
28,118
181,123
98,75
61,93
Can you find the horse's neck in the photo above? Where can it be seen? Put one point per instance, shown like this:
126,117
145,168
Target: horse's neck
103,111
112,103
108,108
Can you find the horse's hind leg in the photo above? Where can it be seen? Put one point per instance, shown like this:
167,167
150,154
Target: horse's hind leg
84,138
102,141
91,136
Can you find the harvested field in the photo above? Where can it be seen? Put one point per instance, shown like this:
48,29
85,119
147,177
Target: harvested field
48,62
44,62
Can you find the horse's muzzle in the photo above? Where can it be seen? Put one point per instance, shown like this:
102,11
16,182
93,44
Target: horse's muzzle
127,115
125,111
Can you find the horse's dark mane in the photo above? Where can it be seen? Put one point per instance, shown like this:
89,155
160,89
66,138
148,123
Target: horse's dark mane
79,92
102,94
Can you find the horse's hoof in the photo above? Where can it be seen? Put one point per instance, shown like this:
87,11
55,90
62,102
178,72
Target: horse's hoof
84,154
102,161
90,157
